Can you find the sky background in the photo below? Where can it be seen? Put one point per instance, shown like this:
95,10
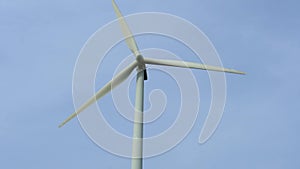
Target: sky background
39,45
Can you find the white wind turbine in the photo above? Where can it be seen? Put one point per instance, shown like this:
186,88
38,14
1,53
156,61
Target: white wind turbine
140,64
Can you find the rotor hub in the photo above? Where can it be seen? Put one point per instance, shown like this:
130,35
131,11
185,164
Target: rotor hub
141,62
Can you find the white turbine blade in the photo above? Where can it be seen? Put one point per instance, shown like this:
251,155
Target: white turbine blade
130,41
178,63
118,79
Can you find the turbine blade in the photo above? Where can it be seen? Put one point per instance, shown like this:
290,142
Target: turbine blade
130,41
118,79
183,64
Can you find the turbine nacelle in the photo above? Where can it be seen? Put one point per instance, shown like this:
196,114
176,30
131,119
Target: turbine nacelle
141,65
141,62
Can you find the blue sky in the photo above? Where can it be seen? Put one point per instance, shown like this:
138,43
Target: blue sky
39,45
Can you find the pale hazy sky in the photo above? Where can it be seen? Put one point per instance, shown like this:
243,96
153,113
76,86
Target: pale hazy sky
39,44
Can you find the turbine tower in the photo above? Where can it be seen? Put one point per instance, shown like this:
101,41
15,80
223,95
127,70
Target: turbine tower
140,65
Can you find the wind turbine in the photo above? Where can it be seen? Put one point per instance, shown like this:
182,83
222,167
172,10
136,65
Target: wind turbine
139,64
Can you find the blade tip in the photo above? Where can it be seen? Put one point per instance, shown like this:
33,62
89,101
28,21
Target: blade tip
237,72
61,125
242,73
